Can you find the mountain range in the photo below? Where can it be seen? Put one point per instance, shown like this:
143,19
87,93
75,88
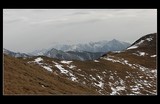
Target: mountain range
15,54
131,71
89,51
100,46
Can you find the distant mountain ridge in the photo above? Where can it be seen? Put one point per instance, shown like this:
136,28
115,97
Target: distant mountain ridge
14,54
89,51
71,55
100,46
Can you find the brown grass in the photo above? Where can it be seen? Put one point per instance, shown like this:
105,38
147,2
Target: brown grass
20,78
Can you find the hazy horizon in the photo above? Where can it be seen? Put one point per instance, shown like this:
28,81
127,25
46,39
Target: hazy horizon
26,30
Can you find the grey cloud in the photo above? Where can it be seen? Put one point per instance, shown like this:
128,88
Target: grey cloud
15,20
26,30
81,13
78,23
12,21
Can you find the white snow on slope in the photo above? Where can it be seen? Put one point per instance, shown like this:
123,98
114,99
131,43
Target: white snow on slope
141,53
149,39
72,66
100,84
96,61
43,65
111,78
43,86
135,89
136,45
153,55
110,59
145,70
38,59
73,78
47,68
61,68
78,69
92,78
99,77
115,90
122,61
140,42
66,62
132,47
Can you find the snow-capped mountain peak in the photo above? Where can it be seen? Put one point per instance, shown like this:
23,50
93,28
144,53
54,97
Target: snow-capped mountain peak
100,46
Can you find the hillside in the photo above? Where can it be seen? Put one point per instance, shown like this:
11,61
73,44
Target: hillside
23,78
132,71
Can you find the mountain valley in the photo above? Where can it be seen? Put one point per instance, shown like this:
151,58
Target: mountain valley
129,70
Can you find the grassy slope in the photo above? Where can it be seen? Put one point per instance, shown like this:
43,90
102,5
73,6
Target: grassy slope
22,78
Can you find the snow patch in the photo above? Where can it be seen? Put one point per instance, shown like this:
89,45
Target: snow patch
140,42
115,90
72,66
104,72
154,71
111,77
135,54
122,61
38,59
73,78
100,84
136,45
96,61
78,69
47,68
141,53
125,62
109,59
43,65
153,55
132,47
135,88
43,86
66,62
99,77
149,39
92,78
61,69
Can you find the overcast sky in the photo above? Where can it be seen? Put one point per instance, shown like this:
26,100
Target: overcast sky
25,30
